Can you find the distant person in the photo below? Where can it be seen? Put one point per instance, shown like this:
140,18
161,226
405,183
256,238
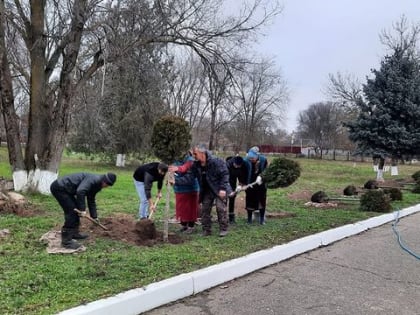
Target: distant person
238,176
256,196
186,195
144,176
71,192
213,176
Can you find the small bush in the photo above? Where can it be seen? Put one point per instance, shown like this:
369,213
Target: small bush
416,176
350,190
171,138
375,201
319,197
416,189
281,172
371,184
393,193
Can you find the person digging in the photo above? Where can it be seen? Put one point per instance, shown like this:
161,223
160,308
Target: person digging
72,191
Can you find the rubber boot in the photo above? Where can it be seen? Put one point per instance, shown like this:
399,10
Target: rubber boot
249,221
79,236
66,239
232,218
262,216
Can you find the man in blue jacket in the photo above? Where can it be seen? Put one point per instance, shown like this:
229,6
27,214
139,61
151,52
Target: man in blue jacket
71,192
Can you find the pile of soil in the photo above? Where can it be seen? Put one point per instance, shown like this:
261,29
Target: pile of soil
123,227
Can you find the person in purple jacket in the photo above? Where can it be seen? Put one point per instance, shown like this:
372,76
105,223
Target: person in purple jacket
71,192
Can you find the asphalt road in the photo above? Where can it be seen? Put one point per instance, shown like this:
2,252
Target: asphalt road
369,273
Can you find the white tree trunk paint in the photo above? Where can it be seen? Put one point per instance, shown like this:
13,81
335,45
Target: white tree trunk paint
44,181
394,170
36,180
375,168
20,180
120,160
380,175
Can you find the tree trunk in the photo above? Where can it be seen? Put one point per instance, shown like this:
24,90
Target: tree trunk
380,172
49,114
11,119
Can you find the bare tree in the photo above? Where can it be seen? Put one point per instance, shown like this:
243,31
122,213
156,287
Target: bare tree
64,46
261,96
403,37
323,124
186,90
10,118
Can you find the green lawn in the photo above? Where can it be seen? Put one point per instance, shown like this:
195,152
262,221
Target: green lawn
34,282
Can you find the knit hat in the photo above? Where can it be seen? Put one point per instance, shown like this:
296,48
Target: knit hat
255,149
110,178
237,160
252,154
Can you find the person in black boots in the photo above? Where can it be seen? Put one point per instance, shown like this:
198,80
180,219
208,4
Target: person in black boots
256,195
71,192
238,173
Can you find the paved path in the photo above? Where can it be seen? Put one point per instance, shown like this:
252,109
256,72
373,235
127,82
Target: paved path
364,274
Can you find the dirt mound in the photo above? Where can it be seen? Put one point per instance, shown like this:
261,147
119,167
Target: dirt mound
125,228
19,209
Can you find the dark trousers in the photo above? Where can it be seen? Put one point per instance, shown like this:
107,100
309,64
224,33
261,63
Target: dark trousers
207,201
68,203
231,205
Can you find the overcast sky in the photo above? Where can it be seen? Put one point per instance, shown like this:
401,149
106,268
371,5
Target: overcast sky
312,38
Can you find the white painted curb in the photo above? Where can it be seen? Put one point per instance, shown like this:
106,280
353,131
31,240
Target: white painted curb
140,300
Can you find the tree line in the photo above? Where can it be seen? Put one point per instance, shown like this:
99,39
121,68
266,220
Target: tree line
96,74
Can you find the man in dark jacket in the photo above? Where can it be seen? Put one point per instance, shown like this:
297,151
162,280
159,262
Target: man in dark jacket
144,176
71,192
238,173
213,176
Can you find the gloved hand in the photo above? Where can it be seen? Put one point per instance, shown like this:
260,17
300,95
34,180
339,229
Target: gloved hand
238,189
259,180
232,194
81,213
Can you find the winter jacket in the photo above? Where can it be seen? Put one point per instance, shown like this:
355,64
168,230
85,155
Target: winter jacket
217,175
148,173
184,168
237,174
83,186
262,165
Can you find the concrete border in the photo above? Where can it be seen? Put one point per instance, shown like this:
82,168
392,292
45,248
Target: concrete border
140,300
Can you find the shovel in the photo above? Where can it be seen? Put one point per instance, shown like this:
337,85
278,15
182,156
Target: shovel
81,213
154,207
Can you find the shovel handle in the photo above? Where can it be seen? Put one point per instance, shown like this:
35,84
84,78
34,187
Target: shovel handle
154,207
91,219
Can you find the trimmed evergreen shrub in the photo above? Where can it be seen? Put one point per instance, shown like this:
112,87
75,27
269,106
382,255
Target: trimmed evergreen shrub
416,176
319,197
375,201
394,193
281,172
371,184
350,190
416,189
171,138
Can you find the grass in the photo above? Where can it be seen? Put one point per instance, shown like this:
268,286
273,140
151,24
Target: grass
35,282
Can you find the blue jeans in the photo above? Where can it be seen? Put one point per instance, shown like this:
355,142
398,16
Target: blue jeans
144,202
